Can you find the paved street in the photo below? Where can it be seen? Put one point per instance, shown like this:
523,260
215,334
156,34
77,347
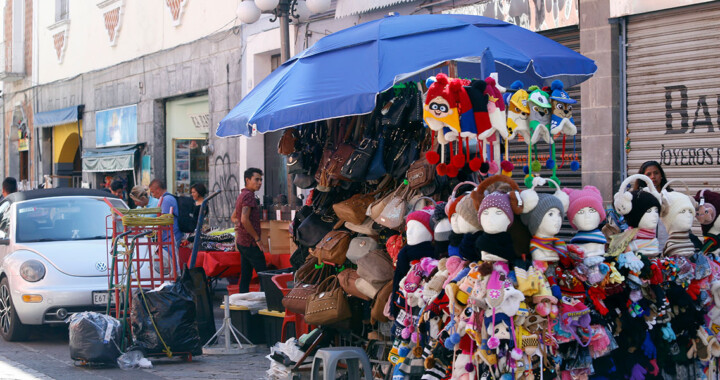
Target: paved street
46,355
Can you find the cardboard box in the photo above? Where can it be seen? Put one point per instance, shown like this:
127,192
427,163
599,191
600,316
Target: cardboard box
276,236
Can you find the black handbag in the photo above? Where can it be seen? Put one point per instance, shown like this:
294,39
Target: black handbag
314,228
304,181
357,165
295,163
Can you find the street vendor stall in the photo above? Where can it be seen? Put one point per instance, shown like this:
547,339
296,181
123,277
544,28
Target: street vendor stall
417,231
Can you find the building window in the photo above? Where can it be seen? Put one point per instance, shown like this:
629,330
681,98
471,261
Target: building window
61,10
275,62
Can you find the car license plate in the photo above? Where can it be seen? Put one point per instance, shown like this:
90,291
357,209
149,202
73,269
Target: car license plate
101,298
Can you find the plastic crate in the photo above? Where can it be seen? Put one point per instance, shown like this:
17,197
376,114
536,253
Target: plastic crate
250,325
273,295
272,324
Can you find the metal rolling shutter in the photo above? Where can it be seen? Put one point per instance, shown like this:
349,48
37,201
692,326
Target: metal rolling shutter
673,101
569,37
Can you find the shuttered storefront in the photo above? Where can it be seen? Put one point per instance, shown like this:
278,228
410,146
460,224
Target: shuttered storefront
673,93
569,37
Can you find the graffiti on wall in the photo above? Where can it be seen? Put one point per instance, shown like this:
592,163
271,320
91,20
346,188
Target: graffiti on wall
535,15
224,178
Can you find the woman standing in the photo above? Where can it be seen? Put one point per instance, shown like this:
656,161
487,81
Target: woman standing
655,172
198,192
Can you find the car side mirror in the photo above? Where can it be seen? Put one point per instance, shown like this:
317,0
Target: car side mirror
4,241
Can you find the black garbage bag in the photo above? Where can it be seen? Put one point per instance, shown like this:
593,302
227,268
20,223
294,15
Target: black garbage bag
172,309
94,338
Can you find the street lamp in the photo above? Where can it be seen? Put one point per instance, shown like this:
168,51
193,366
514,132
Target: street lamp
249,11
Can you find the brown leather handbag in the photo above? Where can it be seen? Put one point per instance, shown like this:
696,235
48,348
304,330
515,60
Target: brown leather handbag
307,278
333,247
336,152
286,145
328,305
347,279
353,209
421,172
378,306
376,267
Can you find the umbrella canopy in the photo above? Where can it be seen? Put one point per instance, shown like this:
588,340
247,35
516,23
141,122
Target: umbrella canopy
342,73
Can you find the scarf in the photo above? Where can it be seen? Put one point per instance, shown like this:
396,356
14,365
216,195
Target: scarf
645,243
710,244
467,247
499,245
679,244
585,237
539,248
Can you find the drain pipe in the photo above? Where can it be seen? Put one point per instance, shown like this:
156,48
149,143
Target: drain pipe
622,47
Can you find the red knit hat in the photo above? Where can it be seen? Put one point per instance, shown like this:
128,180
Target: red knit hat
440,88
423,216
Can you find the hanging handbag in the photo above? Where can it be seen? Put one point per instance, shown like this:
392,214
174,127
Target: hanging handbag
304,181
376,267
366,228
337,151
393,215
347,279
328,305
359,247
313,228
307,279
353,209
286,145
295,163
421,172
356,167
333,247
378,306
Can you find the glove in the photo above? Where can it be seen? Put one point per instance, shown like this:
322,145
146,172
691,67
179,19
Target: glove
615,276
630,261
668,333
693,290
648,347
655,370
657,276
638,372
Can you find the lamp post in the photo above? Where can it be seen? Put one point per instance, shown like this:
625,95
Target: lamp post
249,11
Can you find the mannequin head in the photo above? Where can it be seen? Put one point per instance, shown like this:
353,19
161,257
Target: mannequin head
678,212
417,233
586,219
585,208
550,223
708,211
650,219
494,220
461,226
443,229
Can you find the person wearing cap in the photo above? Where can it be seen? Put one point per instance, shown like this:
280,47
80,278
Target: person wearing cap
141,198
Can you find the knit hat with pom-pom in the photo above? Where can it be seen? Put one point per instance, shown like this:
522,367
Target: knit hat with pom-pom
641,202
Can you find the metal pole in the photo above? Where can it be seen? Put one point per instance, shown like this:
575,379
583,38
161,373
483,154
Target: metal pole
285,8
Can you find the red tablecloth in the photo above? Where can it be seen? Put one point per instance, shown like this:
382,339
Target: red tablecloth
227,264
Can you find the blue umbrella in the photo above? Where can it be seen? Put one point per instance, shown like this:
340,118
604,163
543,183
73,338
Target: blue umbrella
342,73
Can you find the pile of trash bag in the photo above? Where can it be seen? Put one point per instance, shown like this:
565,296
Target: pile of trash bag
164,319
94,338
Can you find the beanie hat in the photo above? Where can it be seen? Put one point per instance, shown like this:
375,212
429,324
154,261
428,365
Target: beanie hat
438,214
641,202
440,89
467,211
589,196
422,216
499,200
545,202
559,94
707,198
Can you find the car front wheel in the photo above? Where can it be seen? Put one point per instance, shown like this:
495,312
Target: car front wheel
10,327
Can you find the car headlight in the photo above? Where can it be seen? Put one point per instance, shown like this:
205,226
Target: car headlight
32,271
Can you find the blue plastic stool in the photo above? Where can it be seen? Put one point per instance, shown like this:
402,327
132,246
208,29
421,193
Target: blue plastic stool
330,357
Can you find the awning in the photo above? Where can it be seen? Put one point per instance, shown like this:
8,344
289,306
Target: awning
353,7
58,117
112,159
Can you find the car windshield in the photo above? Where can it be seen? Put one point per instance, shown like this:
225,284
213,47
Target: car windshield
59,219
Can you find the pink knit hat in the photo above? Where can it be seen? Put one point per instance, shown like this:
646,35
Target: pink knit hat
423,216
589,196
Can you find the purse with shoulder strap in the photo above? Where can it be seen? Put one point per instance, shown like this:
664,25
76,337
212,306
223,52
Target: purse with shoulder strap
328,305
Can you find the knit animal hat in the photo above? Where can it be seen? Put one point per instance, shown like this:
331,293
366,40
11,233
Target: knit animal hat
674,203
499,200
633,205
559,94
589,196
536,205
708,208
423,216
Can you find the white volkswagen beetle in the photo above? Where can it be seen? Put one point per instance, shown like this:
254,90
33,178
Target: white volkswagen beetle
53,256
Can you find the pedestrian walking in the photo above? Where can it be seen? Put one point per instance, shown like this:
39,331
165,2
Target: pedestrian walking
247,229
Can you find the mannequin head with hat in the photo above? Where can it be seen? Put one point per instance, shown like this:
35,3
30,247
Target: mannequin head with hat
585,212
678,210
418,227
543,214
707,211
